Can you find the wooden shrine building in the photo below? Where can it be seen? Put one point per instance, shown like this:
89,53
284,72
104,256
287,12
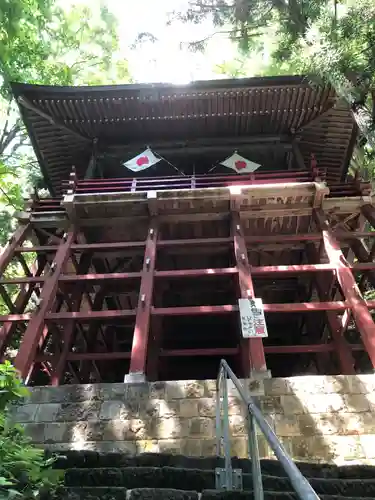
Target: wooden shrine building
138,274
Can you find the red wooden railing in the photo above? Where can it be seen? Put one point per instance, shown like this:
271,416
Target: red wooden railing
123,185
91,186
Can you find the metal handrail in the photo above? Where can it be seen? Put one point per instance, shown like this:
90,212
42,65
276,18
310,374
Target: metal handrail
300,484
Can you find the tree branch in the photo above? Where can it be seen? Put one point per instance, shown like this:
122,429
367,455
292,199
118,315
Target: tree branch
8,199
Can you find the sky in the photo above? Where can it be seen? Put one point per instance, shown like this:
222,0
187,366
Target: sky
164,60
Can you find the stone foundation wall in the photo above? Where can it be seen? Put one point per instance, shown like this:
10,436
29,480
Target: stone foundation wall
318,418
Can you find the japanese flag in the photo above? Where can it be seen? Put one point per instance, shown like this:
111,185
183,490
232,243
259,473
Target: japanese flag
240,164
142,161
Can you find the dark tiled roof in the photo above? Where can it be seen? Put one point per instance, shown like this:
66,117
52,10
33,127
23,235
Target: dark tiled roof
64,121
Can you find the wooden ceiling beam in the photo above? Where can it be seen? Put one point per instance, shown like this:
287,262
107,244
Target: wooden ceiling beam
205,145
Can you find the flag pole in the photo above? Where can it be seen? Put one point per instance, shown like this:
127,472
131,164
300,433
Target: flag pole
169,163
217,164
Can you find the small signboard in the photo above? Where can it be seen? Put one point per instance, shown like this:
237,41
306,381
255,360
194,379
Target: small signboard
253,321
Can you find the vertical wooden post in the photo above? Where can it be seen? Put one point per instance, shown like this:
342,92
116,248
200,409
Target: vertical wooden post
138,357
353,296
252,350
324,288
30,340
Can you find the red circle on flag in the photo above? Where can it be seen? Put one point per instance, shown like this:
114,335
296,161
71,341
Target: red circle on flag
240,164
143,160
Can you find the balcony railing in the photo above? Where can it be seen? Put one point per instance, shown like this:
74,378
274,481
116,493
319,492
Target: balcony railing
122,185
127,185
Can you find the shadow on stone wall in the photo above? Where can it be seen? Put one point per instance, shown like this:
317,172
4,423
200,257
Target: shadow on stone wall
317,418
324,419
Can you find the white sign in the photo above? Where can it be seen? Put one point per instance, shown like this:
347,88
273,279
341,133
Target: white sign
253,321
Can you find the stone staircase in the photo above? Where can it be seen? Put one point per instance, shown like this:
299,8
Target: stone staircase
91,475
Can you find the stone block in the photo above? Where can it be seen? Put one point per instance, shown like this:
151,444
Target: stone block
201,427
291,405
47,412
173,390
193,389
137,392
148,446
354,423
126,447
239,447
238,425
115,391
185,389
367,383
287,425
263,447
271,404
309,449
172,446
169,409
98,430
66,394
114,430
323,403
357,402
49,433
116,410
207,407
191,447
77,432
171,428
368,445
24,413
343,447
73,412
235,406
209,388
157,390
255,386
276,386
144,429
189,407
327,384
149,408
208,447
355,385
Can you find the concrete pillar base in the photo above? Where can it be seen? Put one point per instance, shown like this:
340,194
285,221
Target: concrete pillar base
135,378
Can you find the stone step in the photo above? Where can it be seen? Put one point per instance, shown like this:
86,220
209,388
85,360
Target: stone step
199,480
115,493
92,459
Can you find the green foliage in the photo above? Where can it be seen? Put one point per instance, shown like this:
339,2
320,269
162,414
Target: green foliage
42,43
331,40
25,473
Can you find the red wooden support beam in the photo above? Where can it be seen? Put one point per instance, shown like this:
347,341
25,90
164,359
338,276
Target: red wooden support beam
58,372
215,351
34,329
348,286
252,351
92,334
22,300
324,289
138,358
16,240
